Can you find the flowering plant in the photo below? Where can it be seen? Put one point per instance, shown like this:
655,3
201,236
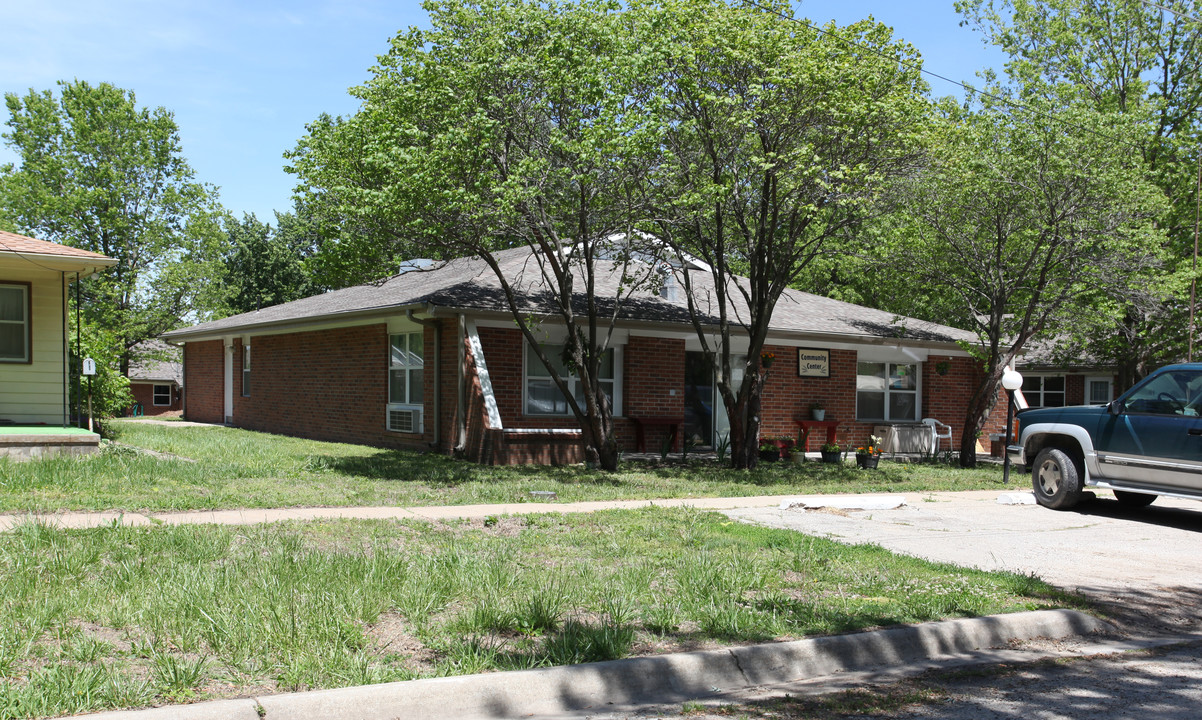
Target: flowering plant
872,448
767,358
831,447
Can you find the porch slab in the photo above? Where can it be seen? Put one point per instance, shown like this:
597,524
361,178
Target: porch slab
28,442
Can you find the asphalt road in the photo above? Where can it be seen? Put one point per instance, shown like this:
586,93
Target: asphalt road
1140,566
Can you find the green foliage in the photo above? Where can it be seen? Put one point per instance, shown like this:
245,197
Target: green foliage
111,395
99,173
265,266
1145,62
1026,222
778,137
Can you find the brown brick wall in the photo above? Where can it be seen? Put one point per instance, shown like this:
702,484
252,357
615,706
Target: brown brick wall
333,385
204,372
326,385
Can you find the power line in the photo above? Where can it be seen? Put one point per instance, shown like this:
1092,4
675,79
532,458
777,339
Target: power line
1178,13
967,88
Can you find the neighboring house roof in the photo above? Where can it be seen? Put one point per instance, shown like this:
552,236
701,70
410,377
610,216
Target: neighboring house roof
1060,355
468,284
156,361
39,251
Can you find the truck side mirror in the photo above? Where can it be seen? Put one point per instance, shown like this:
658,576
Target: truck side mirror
1115,407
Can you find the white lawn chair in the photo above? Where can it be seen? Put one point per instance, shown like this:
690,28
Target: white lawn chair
939,431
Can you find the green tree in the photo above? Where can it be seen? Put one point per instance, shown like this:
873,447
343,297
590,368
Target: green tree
1029,221
265,266
99,173
778,137
1140,59
111,394
507,124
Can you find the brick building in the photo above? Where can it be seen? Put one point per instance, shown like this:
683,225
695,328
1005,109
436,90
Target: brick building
156,379
432,359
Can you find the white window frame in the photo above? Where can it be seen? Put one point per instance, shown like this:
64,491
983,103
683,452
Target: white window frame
154,395
1090,380
24,323
408,403
528,356
1035,398
246,369
916,392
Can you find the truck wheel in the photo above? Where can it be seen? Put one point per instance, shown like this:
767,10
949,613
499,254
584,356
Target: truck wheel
1056,479
1134,499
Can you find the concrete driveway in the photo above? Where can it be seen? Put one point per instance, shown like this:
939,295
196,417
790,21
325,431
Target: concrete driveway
1141,566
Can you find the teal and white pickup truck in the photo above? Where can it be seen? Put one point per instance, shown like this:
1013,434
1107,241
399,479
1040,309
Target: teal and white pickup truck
1146,443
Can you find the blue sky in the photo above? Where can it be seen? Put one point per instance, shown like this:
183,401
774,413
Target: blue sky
243,78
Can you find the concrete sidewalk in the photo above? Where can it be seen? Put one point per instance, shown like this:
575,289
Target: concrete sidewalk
250,516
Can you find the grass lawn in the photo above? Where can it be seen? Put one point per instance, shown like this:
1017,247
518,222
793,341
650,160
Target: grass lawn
238,468
127,617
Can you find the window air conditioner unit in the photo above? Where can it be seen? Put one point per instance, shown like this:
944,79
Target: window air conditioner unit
405,419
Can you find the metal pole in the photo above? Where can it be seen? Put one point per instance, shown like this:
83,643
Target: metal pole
1193,283
1009,436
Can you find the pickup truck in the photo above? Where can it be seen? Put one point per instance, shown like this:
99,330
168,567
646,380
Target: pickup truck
1146,443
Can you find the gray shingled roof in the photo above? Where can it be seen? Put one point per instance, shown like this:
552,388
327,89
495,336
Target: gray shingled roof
156,361
469,284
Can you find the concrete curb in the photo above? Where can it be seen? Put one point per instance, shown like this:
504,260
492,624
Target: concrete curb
646,680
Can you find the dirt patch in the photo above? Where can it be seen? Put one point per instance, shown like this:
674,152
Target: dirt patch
391,635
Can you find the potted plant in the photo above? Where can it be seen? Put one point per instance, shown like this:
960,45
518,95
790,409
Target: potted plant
817,410
769,452
869,456
766,359
775,447
831,452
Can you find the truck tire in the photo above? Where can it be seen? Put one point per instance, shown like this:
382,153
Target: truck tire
1134,499
1056,479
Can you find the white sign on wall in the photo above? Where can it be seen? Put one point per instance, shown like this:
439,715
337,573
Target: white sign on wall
812,362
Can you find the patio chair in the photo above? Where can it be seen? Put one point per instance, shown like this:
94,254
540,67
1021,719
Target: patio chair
939,431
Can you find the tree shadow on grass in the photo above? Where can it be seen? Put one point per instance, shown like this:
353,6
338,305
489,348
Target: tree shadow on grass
442,471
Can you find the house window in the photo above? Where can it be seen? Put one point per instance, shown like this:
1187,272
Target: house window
1044,390
162,395
543,397
14,323
246,370
1099,391
887,391
406,375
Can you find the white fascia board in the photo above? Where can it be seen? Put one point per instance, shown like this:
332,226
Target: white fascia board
372,317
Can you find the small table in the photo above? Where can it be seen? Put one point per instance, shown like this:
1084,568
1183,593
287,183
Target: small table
656,421
807,426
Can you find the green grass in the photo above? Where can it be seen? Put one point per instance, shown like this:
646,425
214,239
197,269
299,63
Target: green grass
124,617
238,468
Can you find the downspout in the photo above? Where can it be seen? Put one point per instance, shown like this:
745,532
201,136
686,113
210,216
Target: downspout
461,416
426,322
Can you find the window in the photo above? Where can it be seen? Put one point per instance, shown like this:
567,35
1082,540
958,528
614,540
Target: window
14,322
1099,391
246,370
406,375
1044,390
162,395
543,396
1177,392
887,391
